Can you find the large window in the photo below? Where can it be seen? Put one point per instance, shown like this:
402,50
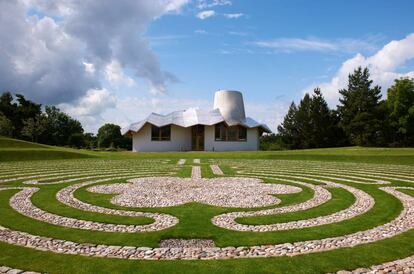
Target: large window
160,133
233,133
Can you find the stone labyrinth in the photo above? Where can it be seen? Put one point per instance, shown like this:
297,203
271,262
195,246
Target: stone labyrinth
255,196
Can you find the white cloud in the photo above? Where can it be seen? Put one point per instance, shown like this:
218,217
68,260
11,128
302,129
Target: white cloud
132,109
383,66
205,14
89,108
61,49
175,5
269,113
115,74
233,15
206,4
316,44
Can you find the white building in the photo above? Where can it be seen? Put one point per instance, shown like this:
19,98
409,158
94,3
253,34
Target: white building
225,128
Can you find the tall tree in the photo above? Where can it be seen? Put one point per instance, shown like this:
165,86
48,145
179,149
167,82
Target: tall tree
60,127
109,135
400,103
358,108
303,122
323,125
288,129
6,126
34,127
9,109
26,109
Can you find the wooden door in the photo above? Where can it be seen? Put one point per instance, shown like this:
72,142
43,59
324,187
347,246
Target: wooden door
197,137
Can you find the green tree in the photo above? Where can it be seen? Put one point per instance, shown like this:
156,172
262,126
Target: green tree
304,123
358,108
90,140
60,127
311,124
77,140
109,135
6,126
25,110
7,107
34,127
272,142
288,130
400,103
324,130
18,112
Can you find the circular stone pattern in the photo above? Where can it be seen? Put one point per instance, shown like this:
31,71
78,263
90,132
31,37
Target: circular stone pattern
172,191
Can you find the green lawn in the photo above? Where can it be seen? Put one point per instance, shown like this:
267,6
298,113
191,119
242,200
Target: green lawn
21,161
12,149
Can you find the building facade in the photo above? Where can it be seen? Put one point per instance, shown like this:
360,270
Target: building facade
225,128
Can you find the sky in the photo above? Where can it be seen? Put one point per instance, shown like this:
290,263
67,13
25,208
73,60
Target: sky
118,61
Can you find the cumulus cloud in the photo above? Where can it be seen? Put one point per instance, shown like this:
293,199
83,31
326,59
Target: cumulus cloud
205,14
38,58
115,75
61,49
90,108
384,67
316,44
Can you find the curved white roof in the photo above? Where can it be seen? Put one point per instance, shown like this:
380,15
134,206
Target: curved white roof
192,117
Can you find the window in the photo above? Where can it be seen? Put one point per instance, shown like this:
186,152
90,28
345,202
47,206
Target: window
232,134
221,133
160,133
242,134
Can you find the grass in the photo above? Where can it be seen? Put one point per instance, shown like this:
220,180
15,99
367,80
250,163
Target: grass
17,150
341,199
195,218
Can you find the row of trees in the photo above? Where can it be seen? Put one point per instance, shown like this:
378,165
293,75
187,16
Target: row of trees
361,118
23,119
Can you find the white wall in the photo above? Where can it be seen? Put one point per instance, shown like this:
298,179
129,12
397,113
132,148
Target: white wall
180,140
252,142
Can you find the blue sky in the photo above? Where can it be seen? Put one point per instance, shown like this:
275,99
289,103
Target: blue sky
128,58
225,56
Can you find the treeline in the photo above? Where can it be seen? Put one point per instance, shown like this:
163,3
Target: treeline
23,119
361,118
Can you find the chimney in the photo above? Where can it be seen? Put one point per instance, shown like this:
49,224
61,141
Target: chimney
231,105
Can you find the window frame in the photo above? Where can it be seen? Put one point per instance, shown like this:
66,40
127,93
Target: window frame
224,136
159,136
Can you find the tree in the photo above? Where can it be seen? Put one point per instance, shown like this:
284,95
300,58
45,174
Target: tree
77,140
400,103
358,108
303,122
324,131
18,112
288,129
109,135
25,110
60,127
34,127
8,109
90,140
6,126
311,124
272,142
